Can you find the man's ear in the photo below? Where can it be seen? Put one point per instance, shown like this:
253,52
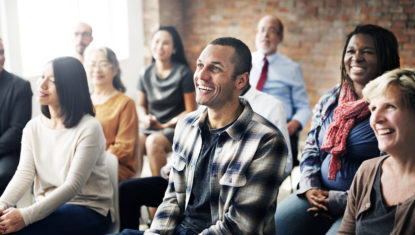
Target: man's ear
241,80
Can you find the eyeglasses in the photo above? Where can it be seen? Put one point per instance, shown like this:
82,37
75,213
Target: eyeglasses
269,30
82,34
102,65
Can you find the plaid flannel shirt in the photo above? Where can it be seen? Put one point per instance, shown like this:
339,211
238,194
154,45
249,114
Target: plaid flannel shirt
248,163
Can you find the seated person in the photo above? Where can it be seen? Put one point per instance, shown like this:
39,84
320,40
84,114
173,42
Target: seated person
131,196
382,196
340,137
113,109
63,153
165,93
15,112
227,160
137,192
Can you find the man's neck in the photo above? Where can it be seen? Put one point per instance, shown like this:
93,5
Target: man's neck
245,89
218,118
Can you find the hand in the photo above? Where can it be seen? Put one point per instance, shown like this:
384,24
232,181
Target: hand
156,125
149,121
318,198
165,171
293,126
11,220
318,212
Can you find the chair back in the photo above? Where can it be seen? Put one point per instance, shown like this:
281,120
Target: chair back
112,166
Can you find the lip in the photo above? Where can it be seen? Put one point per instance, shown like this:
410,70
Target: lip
98,77
385,131
355,69
205,88
42,94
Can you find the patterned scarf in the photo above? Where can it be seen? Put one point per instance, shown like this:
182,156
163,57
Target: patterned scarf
347,114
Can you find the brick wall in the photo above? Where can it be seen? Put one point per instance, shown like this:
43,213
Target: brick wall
314,35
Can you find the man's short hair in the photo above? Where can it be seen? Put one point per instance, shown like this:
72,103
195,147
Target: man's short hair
241,59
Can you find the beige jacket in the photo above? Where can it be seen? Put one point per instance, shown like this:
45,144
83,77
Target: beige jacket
359,202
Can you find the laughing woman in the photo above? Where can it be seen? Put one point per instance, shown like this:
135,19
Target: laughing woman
340,137
382,195
63,153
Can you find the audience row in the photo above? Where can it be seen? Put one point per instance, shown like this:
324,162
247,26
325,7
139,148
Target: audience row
229,156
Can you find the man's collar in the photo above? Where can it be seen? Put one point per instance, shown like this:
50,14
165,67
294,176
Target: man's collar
237,129
271,58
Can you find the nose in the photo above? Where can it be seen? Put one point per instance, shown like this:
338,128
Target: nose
358,56
376,117
42,83
203,74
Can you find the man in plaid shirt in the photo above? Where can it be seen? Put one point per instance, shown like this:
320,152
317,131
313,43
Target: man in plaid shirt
227,160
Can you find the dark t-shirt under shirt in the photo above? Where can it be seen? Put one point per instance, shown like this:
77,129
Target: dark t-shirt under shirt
197,216
379,219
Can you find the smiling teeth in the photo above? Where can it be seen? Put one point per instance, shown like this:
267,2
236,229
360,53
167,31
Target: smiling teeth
385,131
205,88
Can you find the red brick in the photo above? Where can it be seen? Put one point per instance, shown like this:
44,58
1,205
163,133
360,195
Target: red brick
314,30
365,10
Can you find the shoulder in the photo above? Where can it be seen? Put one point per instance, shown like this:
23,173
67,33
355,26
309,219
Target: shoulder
331,94
257,56
371,164
261,98
260,124
182,70
190,118
257,125
287,61
88,123
123,98
368,169
17,81
33,123
149,69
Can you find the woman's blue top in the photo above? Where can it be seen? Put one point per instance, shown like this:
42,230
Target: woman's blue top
361,144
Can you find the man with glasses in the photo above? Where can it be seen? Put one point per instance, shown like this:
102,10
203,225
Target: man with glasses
82,38
277,75
15,112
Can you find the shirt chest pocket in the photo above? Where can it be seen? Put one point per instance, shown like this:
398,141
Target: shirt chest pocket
179,163
233,180
179,175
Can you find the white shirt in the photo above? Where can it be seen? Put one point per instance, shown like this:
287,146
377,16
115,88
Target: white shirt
284,82
273,110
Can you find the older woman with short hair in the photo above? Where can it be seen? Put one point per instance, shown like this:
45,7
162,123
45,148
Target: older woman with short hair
114,110
382,195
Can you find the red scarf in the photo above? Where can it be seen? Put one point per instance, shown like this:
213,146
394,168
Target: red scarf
347,114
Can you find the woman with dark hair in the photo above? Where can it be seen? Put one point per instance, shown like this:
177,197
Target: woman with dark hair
63,154
382,195
114,110
340,137
165,93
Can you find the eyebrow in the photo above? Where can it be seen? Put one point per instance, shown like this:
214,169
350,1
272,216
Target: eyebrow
213,62
368,47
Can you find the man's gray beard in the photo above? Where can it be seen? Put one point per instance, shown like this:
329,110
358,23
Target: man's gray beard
263,50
